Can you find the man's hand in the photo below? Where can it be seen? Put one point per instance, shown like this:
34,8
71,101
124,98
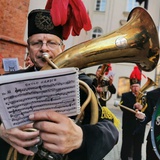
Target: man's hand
140,115
58,132
99,89
20,139
138,106
110,80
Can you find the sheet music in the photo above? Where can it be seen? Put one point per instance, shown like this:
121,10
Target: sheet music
25,93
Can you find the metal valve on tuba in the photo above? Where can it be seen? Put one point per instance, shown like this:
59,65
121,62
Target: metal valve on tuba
135,42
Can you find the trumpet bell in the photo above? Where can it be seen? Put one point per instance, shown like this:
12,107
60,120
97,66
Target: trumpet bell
135,42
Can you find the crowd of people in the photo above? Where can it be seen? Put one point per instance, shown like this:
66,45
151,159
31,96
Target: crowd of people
59,135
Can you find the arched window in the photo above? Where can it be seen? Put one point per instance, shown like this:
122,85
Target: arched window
101,5
96,32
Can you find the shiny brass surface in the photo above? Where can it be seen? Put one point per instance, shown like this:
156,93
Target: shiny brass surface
106,94
135,42
141,98
147,85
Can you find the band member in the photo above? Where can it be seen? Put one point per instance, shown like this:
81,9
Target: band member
105,84
132,128
152,151
59,134
152,99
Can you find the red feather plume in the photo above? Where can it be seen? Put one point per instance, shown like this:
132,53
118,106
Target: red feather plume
71,14
136,74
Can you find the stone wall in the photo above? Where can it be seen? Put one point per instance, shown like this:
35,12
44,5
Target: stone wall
13,18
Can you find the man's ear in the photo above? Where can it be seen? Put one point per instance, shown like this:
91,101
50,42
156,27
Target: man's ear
28,50
28,45
63,47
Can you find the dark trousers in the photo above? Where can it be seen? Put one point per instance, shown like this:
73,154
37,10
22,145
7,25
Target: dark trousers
131,147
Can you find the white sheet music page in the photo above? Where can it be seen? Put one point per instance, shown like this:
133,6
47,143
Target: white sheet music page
25,93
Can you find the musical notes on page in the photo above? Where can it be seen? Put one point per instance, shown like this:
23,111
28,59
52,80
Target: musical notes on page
25,93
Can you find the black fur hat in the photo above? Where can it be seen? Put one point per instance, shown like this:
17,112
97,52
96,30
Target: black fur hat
40,21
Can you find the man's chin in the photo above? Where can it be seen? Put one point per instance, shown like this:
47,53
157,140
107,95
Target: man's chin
41,65
136,94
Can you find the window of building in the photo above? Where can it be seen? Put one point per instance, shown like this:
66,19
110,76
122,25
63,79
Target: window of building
101,5
131,4
96,32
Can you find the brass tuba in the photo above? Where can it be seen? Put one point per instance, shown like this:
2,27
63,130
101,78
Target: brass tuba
135,42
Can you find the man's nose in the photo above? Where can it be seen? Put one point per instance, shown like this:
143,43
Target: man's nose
44,47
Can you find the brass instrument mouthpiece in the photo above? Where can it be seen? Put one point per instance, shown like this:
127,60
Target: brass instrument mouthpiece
46,56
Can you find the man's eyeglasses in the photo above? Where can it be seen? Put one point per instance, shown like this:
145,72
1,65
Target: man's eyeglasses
39,44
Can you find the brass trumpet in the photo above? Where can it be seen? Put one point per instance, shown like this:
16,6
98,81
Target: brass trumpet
141,98
102,82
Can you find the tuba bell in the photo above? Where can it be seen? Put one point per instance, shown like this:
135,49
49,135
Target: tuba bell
135,42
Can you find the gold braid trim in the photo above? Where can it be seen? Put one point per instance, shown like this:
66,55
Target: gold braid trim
144,108
106,113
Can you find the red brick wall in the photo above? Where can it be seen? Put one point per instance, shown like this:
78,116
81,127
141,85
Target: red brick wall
13,18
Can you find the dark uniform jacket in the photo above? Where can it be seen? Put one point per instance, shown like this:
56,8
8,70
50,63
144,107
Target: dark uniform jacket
133,130
111,88
98,139
130,125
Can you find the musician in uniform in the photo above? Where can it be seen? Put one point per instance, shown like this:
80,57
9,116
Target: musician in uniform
133,128
104,85
57,134
152,99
